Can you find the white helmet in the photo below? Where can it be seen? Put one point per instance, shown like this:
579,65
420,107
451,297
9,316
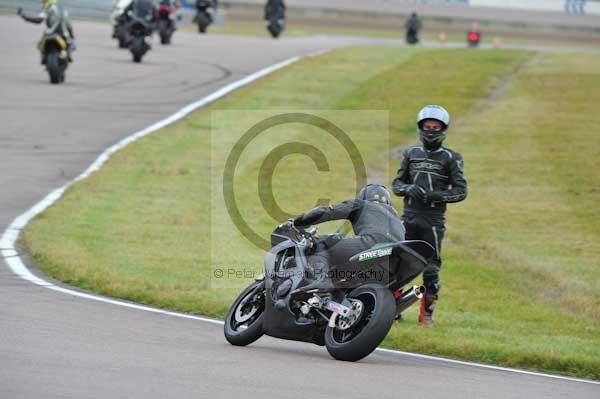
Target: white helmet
433,139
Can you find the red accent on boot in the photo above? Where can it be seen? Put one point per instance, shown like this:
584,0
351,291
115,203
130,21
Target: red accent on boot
425,312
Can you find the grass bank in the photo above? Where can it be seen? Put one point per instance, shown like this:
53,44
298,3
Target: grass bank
521,278
253,26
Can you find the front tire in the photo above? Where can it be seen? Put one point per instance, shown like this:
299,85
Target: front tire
53,67
164,32
137,49
371,327
243,324
203,23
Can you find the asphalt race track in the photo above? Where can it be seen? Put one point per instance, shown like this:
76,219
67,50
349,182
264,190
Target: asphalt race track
55,345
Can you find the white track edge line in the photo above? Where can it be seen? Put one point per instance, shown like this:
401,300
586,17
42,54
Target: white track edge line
11,234
487,366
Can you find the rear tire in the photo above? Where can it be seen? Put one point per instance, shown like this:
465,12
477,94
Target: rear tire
245,331
360,339
53,67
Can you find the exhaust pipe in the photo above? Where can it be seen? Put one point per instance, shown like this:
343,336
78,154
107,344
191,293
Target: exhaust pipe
408,299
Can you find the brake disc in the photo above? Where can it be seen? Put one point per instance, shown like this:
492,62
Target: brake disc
344,323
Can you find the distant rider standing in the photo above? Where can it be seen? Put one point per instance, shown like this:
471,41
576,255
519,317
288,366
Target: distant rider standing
430,176
57,21
413,26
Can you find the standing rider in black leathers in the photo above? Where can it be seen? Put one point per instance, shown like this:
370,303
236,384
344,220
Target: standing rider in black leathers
57,21
373,219
413,26
430,176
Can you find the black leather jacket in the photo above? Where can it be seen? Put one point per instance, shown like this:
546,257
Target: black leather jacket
369,219
439,172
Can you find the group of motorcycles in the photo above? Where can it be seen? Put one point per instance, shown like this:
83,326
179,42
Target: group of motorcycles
132,27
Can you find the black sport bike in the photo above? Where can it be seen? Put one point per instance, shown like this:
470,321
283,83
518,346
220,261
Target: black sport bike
351,319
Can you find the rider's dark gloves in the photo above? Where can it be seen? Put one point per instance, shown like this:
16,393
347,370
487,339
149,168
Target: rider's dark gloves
408,190
287,223
432,196
414,191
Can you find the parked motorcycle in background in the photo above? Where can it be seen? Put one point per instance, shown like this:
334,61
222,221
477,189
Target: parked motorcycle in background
351,319
204,15
275,17
166,21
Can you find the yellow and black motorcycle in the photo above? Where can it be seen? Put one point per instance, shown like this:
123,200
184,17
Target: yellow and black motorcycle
55,55
54,47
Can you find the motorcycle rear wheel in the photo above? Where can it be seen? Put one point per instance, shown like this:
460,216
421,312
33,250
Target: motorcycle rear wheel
373,324
243,324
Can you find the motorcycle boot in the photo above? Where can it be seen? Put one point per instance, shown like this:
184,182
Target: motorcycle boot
321,284
426,310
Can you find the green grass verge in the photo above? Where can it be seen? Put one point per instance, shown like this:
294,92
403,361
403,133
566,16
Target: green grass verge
521,276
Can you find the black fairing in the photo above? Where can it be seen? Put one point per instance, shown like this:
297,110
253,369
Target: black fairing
286,261
406,261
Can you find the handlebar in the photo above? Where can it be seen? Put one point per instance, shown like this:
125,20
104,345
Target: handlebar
300,233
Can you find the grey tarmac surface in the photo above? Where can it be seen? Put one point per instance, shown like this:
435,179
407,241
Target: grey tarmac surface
54,345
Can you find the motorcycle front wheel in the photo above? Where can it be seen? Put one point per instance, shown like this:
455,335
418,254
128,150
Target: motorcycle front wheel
243,324
203,22
353,339
53,66
137,49
274,29
164,32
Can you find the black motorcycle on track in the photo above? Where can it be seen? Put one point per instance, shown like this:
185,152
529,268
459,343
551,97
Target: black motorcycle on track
352,319
121,31
166,24
138,30
204,14
275,21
